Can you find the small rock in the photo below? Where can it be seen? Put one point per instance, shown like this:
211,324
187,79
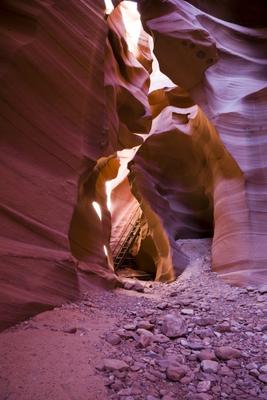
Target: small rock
262,298
187,379
133,285
225,371
116,386
225,326
206,355
138,287
173,326
233,364
146,313
112,364
210,366
130,327
263,289
231,298
171,360
160,338
162,305
254,372
146,337
252,365
197,345
204,386
207,341
262,327
145,325
263,369
113,339
263,378
187,311
175,373
227,353
70,330
137,366
205,321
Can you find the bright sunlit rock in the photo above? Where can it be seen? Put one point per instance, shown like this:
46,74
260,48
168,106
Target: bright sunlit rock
97,209
132,24
125,156
105,250
109,6
109,188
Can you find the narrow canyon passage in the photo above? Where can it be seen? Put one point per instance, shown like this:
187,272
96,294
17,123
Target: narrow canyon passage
133,200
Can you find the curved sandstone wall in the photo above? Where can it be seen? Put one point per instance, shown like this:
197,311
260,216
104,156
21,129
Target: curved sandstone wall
52,99
59,116
223,67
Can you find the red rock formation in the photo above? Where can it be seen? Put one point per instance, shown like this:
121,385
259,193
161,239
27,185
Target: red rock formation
224,68
54,133
52,129
63,119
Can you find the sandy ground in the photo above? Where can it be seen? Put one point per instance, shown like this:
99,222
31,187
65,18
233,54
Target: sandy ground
65,353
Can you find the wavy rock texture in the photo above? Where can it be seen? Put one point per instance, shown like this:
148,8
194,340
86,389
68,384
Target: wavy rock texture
57,147
52,100
223,66
181,170
128,63
57,144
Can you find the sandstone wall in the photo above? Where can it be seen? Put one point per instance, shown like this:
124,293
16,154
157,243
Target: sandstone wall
52,131
223,67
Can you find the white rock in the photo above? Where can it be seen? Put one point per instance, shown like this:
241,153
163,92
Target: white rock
187,311
210,366
203,386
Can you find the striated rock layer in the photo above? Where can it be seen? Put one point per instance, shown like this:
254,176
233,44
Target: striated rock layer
58,144
52,131
223,67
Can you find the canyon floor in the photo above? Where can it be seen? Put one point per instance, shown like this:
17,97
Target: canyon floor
194,339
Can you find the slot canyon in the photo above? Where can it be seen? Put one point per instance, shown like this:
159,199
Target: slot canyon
133,249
